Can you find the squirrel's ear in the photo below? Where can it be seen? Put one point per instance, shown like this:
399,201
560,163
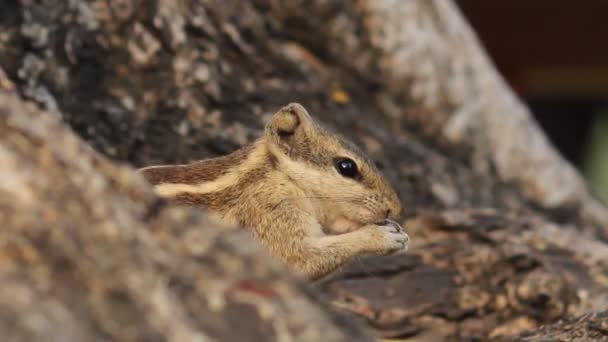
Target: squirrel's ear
288,120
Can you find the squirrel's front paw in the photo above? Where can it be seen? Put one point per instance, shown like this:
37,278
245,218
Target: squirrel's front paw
397,237
391,237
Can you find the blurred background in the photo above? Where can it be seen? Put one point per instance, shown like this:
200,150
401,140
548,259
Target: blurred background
554,53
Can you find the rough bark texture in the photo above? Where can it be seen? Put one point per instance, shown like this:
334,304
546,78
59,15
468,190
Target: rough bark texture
505,235
588,327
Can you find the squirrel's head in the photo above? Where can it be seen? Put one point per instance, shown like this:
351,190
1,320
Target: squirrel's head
343,184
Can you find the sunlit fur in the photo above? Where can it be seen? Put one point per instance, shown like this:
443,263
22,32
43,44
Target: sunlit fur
286,189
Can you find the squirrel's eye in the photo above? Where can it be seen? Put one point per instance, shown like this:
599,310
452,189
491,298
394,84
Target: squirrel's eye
347,167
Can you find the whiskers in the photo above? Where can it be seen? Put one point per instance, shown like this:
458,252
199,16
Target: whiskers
353,200
354,208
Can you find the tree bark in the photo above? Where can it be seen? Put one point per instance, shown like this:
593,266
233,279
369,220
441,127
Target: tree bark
505,235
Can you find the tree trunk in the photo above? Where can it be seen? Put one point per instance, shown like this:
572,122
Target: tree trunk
505,235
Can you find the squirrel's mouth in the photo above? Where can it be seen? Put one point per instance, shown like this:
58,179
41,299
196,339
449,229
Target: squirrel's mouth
386,222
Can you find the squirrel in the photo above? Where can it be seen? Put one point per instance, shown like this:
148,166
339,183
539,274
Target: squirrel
310,196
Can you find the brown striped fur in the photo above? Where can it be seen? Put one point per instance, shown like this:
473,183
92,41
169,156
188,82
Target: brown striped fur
198,172
285,188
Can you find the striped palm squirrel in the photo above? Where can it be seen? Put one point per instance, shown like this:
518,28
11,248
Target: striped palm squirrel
311,197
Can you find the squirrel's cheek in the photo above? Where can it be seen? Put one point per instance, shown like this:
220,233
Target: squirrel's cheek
341,225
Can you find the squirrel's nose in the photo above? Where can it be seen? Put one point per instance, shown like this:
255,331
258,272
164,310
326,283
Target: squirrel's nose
394,209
